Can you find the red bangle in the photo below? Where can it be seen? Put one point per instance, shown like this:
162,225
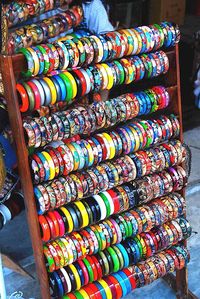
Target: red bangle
24,98
94,269
71,296
103,146
115,200
36,94
95,291
130,277
51,226
85,272
89,291
111,286
117,286
60,223
45,228
98,266
55,221
83,81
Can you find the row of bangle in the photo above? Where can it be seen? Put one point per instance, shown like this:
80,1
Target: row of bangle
117,257
67,86
103,146
40,32
71,53
98,115
120,284
19,11
108,175
60,222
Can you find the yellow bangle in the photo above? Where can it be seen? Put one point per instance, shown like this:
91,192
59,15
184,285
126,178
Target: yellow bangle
80,240
69,249
73,82
139,39
52,90
114,237
84,213
84,294
104,75
110,76
129,37
106,288
51,165
75,155
137,139
36,61
69,219
76,275
111,143
100,49
69,257
60,255
90,152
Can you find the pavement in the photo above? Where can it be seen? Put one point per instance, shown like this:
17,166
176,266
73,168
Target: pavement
15,241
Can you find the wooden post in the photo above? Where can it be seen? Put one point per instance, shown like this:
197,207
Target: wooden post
24,171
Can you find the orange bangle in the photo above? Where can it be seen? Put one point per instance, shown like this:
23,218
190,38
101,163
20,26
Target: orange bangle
46,235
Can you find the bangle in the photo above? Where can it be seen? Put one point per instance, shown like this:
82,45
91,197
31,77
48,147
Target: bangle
24,105
30,96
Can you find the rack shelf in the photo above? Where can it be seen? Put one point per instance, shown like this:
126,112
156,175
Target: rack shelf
11,66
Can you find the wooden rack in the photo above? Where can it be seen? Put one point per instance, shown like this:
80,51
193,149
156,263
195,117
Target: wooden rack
11,66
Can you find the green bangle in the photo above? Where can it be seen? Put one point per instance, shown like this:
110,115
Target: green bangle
125,225
161,34
102,237
46,59
130,227
120,256
122,72
69,87
49,258
105,261
139,245
114,258
30,62
148,65
78,295
89,268
107,204
31,97
98,239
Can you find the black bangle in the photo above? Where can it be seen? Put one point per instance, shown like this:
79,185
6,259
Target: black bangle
89,211
74,217
64,218
72,278
79,84
93,205
80,273
110,261
99,258
78,214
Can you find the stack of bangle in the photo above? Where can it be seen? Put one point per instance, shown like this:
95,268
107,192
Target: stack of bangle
108,175
129,195
38,33
95,49
123,169
67,86
55,224
120,284
101,147
111,260
96,116
19,11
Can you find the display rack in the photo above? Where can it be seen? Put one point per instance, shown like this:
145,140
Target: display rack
11,67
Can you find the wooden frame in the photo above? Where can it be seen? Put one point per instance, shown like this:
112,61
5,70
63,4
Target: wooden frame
11,66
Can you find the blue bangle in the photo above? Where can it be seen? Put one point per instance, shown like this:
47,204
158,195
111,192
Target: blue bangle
126,281
45,165
142,104
100,151
40,206
134,251
46,91
101,289
148,102
125,255
122,283
80,273
62,87
80,153
130,133
59,284
105,47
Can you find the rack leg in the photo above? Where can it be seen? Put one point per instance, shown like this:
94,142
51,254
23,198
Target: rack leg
179,284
